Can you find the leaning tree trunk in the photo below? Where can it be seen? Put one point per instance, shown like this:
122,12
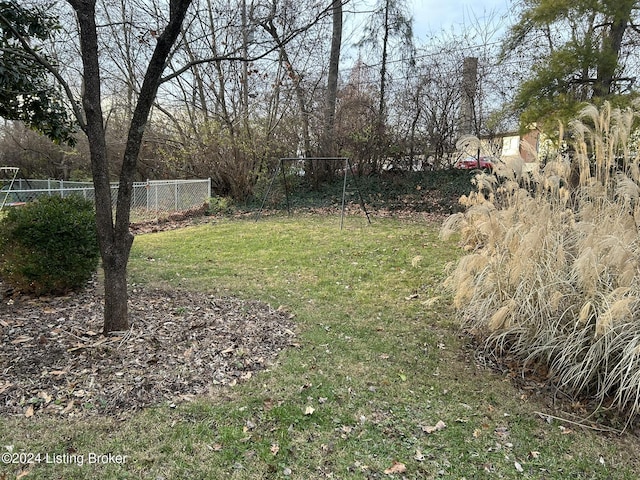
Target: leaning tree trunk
114,237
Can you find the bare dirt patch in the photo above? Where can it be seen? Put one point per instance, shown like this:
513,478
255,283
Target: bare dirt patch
55,360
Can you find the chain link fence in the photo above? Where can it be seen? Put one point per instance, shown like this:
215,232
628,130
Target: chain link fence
152,195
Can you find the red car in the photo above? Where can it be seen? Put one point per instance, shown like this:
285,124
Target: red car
470,163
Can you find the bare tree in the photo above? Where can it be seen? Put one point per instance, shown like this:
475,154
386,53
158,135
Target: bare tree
389,30
114,236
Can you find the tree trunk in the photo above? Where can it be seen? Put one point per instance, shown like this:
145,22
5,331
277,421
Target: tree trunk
380,134
114,237
115,288
327,147
611,45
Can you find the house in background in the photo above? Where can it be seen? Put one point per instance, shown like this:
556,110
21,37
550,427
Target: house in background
516,145
504,146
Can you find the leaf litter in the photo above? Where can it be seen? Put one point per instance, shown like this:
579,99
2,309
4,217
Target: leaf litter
180,345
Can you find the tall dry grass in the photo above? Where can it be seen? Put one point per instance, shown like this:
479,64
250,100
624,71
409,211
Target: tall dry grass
551,275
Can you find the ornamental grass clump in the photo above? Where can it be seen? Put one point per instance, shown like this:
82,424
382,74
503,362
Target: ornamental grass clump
551,275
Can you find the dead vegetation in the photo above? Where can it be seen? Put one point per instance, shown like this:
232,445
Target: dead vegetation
551,277
181,344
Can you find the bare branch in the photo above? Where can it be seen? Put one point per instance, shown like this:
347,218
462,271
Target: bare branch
239,58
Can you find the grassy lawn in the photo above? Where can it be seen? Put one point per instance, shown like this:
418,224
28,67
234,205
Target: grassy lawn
381,380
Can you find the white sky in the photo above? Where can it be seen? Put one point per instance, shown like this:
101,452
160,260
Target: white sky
432,16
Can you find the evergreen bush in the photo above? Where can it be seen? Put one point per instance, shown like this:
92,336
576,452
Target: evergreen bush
49,246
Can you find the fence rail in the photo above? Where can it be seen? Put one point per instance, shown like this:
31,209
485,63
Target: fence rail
152,195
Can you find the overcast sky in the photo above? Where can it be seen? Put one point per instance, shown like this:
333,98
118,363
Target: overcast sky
436,15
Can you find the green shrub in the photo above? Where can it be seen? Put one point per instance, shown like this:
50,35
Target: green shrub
49,246
220,206
552,276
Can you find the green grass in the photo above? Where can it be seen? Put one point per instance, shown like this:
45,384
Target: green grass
379,358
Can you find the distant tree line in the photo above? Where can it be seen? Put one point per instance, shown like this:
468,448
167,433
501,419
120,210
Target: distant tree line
249,82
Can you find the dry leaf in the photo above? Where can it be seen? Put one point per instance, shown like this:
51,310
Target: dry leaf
397,467
476,433
419,456
275,448
431,301
46,397
29,412
21,339
564,430
309,410
68,408
23,473
78,346
434,428
534,454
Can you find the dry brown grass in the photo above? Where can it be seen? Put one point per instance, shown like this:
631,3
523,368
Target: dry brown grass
552,270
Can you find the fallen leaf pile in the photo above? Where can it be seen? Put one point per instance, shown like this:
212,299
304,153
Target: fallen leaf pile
181,344
171,221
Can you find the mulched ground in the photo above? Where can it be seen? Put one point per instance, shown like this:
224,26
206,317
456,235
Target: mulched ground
54,360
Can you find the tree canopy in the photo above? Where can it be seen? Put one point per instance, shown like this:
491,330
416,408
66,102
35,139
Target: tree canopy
581,50
26,90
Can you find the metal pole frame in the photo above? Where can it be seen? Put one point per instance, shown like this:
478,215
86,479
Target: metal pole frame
15,171
347,168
